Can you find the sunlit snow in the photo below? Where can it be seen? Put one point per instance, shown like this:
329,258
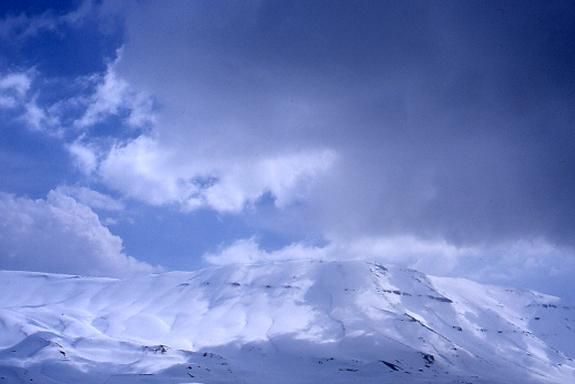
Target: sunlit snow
283,322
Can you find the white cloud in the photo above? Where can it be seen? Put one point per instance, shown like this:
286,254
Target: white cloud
113,96
248,251
34,116
7,102
141,108
432,256
16,94
19,82
284,176
145,170
535,264
38,119
23,26
13,89
84,157
59,234
91,198
429,255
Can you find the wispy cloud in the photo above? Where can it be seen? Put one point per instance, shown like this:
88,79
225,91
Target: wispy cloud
18,27
114,96
532,263
91,198
13,88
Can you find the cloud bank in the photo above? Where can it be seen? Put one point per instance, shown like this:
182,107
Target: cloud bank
535,264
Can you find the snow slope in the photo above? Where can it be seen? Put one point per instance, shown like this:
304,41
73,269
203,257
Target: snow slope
283,322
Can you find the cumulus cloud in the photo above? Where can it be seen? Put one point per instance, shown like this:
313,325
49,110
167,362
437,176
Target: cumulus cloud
60,234
144,169
284,176
141,170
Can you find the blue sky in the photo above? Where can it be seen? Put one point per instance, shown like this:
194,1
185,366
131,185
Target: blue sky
141,136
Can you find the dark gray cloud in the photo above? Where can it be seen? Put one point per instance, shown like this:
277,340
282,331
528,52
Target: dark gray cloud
451,119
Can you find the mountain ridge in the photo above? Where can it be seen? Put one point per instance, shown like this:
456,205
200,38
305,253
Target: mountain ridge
286,322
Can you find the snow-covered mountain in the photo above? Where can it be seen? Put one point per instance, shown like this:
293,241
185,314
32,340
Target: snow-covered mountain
284,322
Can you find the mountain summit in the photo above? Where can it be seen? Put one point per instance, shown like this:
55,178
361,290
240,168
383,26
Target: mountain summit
282,322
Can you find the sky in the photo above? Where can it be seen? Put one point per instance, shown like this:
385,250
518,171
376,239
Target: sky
146,136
